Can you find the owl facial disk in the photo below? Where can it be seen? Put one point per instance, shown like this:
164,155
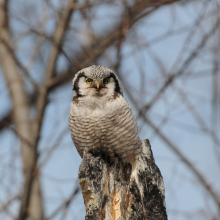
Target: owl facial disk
96,81
90,87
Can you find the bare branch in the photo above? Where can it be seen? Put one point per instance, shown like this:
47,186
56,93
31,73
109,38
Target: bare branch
184,66
41,104
199,176
19,97
65,204
172,146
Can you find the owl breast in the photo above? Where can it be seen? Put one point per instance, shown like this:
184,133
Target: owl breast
111,129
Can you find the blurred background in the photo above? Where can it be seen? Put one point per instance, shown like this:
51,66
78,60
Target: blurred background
167,56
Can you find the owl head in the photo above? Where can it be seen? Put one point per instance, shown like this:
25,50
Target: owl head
96,81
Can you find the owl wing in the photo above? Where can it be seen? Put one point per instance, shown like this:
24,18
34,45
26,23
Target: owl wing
121,133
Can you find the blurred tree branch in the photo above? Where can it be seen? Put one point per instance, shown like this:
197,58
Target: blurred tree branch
42,99
58,51
170,79
21,111
177,152
97,48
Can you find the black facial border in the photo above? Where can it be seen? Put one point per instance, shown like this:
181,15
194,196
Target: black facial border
117,87
76,85
82,74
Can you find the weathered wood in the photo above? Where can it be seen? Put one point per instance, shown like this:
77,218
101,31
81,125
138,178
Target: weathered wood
116,190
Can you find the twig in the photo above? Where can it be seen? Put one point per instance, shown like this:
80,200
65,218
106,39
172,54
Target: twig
65,204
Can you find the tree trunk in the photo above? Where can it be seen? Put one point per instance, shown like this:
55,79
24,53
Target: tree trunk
115,190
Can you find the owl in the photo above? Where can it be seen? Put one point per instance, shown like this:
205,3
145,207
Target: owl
100,118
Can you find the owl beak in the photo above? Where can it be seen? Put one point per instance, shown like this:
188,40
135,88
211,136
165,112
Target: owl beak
97,85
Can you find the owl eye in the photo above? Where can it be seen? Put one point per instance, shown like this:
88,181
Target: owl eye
89,81
105,81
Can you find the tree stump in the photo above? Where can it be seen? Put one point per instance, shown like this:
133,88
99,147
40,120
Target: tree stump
115,190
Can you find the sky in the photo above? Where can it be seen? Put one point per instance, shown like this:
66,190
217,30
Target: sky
185,198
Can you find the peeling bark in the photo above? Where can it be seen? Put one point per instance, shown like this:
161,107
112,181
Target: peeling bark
116,190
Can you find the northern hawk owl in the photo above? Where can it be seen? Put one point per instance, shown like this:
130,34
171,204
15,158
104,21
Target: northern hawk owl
100,118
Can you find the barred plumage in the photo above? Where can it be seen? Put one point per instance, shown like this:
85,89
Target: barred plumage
100,118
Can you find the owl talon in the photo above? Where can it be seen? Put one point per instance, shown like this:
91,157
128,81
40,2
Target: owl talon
85,151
